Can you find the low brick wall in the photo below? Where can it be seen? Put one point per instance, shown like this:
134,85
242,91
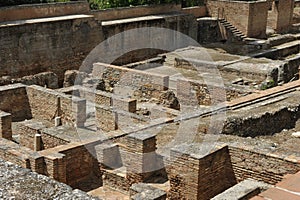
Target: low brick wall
22,12
135,81
13,153
194,93
271,169
14,100
72,110
50,141
5,125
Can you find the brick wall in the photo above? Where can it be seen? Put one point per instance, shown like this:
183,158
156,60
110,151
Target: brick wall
248,17
193,93
44,103
50,141
72,110
13,100
259,166
106,118
195,174
13,153
80,163
27,131
47,104
5,125
132,81
22,12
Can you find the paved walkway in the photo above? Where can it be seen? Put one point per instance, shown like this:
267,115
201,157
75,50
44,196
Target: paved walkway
288,189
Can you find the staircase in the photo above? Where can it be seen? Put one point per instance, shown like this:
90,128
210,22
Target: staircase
234,33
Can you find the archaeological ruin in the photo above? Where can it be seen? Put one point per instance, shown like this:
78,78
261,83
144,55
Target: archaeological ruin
150,102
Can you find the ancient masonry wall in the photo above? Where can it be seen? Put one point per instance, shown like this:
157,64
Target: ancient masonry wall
50,141
248,17
281,15
128,12
5,125
193,93
22,12
239,124
72,110
195,174
11,152
13,100
133,82
264,167
23,53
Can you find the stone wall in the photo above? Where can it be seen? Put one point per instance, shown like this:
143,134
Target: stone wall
35,46
134,83
197,11
271,169
208,30
258,15
22,12
44,103
194,93
196,174
250,17
259,121
14,100
137,11
281,15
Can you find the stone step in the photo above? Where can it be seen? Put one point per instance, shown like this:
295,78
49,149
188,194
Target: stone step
243,190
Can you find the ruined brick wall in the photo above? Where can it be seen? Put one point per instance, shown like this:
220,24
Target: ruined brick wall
196,176
44,103
22,12
259,166
195,93
139,83
13,100
80,163
254,125
248,17
50,141
106,118
28,49
5,125
47,104
72,110
12,152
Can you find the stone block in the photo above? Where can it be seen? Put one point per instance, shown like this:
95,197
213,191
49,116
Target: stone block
5,125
